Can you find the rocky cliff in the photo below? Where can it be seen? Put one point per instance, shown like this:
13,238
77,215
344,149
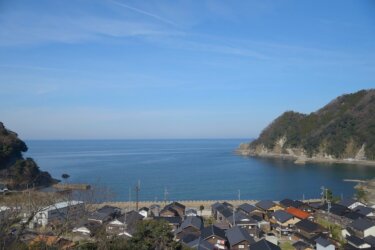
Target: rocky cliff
343,130
16,171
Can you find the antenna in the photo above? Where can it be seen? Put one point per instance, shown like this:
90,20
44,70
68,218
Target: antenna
137,190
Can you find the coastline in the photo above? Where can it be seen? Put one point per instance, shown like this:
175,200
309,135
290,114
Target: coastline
302,160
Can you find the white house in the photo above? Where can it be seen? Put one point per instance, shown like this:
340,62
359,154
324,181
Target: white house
324,244
59,211
360,228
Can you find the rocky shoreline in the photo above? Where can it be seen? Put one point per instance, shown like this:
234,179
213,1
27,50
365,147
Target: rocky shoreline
301,160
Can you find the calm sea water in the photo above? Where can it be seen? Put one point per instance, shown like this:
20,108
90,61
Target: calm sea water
188,169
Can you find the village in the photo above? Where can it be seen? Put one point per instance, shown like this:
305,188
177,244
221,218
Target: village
286,224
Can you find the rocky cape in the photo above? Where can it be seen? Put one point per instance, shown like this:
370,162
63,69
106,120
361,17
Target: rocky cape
16,171
343,131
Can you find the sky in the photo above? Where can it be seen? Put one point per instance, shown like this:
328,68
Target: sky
117,69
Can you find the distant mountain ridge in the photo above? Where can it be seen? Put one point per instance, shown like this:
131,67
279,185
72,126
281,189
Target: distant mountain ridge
344,129
15,171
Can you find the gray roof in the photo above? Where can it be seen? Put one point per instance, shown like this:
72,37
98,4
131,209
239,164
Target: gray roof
361,224
308,226
226,212
109,210
264,245
192,221
265,204
301,245
236,235
200,244
364,210
247,207
212,231
355,240
241,218
323,242
282,216
370,240
347,202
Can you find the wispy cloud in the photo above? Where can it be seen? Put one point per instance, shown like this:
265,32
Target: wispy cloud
143,12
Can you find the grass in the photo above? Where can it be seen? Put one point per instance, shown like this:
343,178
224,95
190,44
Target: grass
286,246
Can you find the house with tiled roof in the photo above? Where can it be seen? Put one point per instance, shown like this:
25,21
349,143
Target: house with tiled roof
238,238
282,222
309,231
190,225
361,228
215,236
264,245
298,213
268,206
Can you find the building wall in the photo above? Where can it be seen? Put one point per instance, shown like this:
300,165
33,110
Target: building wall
330,247
370,231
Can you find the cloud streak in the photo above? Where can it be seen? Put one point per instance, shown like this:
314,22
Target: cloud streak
143,12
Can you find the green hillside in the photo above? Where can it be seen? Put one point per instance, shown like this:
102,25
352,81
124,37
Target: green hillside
15,170
340,129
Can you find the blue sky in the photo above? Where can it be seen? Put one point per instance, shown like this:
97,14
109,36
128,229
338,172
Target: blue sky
90,69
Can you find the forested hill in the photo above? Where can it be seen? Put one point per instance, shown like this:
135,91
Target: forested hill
16,171
343,129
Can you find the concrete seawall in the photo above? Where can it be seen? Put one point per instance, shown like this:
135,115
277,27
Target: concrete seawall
188,203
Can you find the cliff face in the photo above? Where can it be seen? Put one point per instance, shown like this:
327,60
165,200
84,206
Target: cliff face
16,171
342,130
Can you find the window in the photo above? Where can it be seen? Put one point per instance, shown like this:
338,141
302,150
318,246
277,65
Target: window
241,246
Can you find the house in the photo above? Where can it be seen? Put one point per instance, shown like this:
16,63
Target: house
200,244
125,225
144,211
104,214
223,214
238,238
191,225
169,212
174,222
215,236
264,245
268,206
282,222
87,228
360,228
248,209
365,211
191,212
298,213
308,230
300,245
176,206
350,203
324,244
59,212
285,203
154,210
242,220
357,242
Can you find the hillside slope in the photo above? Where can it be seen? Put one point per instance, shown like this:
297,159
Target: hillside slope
342,130
16,171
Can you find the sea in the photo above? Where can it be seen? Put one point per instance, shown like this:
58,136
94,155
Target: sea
199,169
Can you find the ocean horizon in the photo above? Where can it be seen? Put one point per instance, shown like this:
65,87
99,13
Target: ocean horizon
189,169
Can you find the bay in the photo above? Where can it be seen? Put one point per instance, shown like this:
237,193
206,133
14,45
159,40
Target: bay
188,169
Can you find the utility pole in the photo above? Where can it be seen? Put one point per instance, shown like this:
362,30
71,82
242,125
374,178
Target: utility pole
239,195
323,194
165,195
137,190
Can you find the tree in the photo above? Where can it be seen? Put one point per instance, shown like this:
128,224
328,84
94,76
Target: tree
361,194
201,208
153,234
